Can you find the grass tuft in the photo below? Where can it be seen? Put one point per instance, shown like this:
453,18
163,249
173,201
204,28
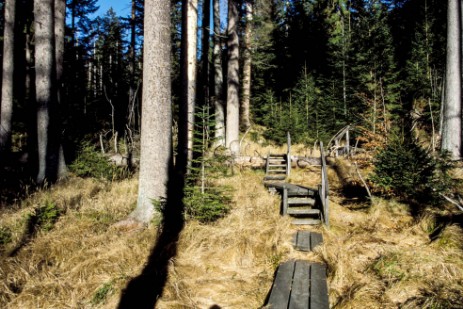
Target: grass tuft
378,256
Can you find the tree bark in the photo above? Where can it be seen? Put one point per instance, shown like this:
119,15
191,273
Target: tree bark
451,131
131,105
60,13
44,73
156,133
232,121
219,132
205,51
7,77
245,105
188,71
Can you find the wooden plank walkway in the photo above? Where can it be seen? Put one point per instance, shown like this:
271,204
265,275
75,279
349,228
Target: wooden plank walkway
299,284
306,241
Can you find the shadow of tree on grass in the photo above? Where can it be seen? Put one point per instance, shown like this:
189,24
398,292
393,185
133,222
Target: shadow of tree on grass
144,290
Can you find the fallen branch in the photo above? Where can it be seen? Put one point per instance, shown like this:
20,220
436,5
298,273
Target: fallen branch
362,180
458,204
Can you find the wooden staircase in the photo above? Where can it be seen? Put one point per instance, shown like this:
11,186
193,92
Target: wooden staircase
301,204
276,167
307,206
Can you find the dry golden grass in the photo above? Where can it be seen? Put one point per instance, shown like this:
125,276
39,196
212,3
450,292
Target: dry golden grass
64,267
378,257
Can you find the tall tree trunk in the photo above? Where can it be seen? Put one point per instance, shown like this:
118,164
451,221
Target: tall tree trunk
132,100
29,93
6,112
451,131
219,132
245,104
44,76
188,71
60,13
233,108
156,133
205,51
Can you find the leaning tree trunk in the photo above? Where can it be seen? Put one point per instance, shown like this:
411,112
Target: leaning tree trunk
219,132
6,112
187,104
232,128
451,130
44,76
156,127
245,104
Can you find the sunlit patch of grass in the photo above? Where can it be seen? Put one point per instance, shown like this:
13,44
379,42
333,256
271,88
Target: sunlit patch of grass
378,257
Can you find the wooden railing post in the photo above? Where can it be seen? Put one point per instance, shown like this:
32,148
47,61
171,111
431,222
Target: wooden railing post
325,187
267,163
348,141
288,154
285,201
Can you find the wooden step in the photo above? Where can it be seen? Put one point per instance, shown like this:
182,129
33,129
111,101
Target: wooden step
276,171
282,177
303,211
301,201
306,241
305,221
301,193
299,284
277,155
277,165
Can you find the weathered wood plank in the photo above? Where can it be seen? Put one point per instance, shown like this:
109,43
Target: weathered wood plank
318,287
281,289
306,241
303,242
275,177
285,202
302,201
300,293
315,240
301,211
305,221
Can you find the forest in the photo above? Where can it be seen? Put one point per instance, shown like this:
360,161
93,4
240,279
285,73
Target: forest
132,150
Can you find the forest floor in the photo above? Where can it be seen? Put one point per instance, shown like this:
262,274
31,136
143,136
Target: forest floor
378,254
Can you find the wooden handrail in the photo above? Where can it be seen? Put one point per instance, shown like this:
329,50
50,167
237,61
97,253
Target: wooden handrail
288,154
324,190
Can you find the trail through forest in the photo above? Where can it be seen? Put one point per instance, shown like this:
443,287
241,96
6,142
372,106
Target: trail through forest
378,254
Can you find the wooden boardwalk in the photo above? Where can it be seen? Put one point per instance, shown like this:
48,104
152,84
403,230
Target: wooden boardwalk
299,202
299,284
306,241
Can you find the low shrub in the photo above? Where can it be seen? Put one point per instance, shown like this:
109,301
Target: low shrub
5,236
43,217
102,293
206,207
91,163
406,170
